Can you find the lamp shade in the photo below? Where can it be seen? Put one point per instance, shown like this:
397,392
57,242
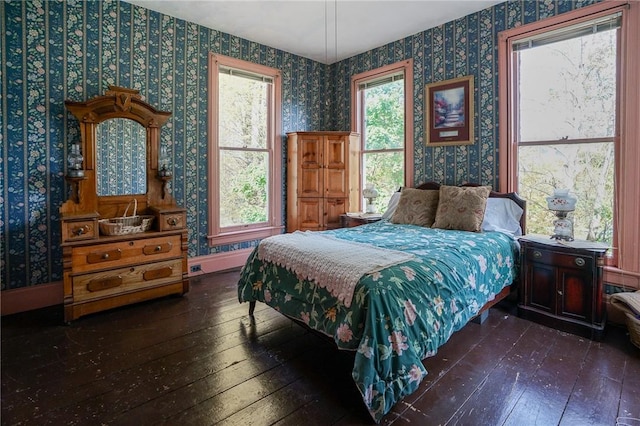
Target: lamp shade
561,201
370,191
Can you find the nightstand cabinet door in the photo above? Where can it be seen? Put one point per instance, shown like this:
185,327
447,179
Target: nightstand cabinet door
562,287
542,295
575,294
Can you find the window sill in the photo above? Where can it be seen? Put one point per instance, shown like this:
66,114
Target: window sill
621,278
244,235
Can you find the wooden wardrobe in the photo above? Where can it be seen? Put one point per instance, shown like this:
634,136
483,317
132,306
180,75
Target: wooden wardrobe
323,179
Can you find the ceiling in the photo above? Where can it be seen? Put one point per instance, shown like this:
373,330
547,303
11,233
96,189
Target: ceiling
308,27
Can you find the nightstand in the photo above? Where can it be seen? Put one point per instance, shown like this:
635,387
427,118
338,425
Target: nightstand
561,284
350,220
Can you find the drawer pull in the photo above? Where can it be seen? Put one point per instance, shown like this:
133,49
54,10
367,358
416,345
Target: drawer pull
537,254
172,221
560,292
155,274
158,248
579,261
80,230
101,284
104,256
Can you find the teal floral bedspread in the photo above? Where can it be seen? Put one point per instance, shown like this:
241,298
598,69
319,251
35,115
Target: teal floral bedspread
401,314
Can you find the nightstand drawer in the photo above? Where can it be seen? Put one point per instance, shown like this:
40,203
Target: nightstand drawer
565,260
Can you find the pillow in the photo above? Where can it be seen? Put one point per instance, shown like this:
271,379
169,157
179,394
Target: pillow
502,215
461,208
391,207
416,207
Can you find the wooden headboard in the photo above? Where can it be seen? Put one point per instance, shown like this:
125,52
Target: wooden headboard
510,195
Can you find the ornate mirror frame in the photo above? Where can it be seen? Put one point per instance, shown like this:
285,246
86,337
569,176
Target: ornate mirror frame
117,102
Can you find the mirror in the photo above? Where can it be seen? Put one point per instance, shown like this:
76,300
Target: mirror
121,157
120,146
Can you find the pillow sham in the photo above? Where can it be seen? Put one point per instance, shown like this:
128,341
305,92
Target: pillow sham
416,207
461,208
393,204
502,215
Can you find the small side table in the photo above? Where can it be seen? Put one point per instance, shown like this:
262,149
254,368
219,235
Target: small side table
356,219
561,284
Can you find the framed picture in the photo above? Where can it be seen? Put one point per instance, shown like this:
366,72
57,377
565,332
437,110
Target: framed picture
449,112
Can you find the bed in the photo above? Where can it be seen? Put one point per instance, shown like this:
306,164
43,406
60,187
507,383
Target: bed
425,277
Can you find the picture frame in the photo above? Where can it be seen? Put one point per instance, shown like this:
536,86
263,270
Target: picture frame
449,112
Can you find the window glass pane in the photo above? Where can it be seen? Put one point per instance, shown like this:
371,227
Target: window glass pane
385,170
586,169
384,116
243,112
243,187
568,89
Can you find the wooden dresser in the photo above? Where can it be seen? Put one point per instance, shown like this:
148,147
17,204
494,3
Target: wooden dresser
105,269
323,182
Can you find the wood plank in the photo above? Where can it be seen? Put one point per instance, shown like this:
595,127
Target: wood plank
440,402
200,359
600,380
491,402
544,399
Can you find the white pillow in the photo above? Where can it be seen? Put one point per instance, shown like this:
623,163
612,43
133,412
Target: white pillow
502,215
393,204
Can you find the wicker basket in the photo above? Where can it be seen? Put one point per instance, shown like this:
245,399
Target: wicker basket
125,225
633,325
628,303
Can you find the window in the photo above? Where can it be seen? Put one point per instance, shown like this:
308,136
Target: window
565,85
245,153
383,107
569,124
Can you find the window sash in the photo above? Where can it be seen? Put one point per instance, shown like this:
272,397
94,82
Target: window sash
597,25
379,81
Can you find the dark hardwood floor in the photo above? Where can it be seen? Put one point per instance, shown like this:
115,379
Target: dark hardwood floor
200,360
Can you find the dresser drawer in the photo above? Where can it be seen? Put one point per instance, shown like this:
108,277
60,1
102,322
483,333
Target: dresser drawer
77,230
172,220
110,255
118,281
566,260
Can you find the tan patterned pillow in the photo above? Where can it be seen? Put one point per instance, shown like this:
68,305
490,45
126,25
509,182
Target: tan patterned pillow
461,208
416,207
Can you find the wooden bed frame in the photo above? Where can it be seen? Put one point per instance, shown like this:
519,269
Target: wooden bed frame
505,292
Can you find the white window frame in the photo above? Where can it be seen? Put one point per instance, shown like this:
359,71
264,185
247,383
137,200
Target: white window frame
235,234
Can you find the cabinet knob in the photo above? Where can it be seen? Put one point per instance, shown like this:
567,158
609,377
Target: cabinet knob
158,248
172,221
579,261
105,256
537,254
81,230
560,292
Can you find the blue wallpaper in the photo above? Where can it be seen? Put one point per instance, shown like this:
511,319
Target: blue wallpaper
121,158
57,50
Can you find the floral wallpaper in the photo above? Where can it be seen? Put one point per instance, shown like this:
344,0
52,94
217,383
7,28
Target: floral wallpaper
56,50
121,158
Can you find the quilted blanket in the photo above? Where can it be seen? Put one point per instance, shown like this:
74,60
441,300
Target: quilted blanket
330,262
400,314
